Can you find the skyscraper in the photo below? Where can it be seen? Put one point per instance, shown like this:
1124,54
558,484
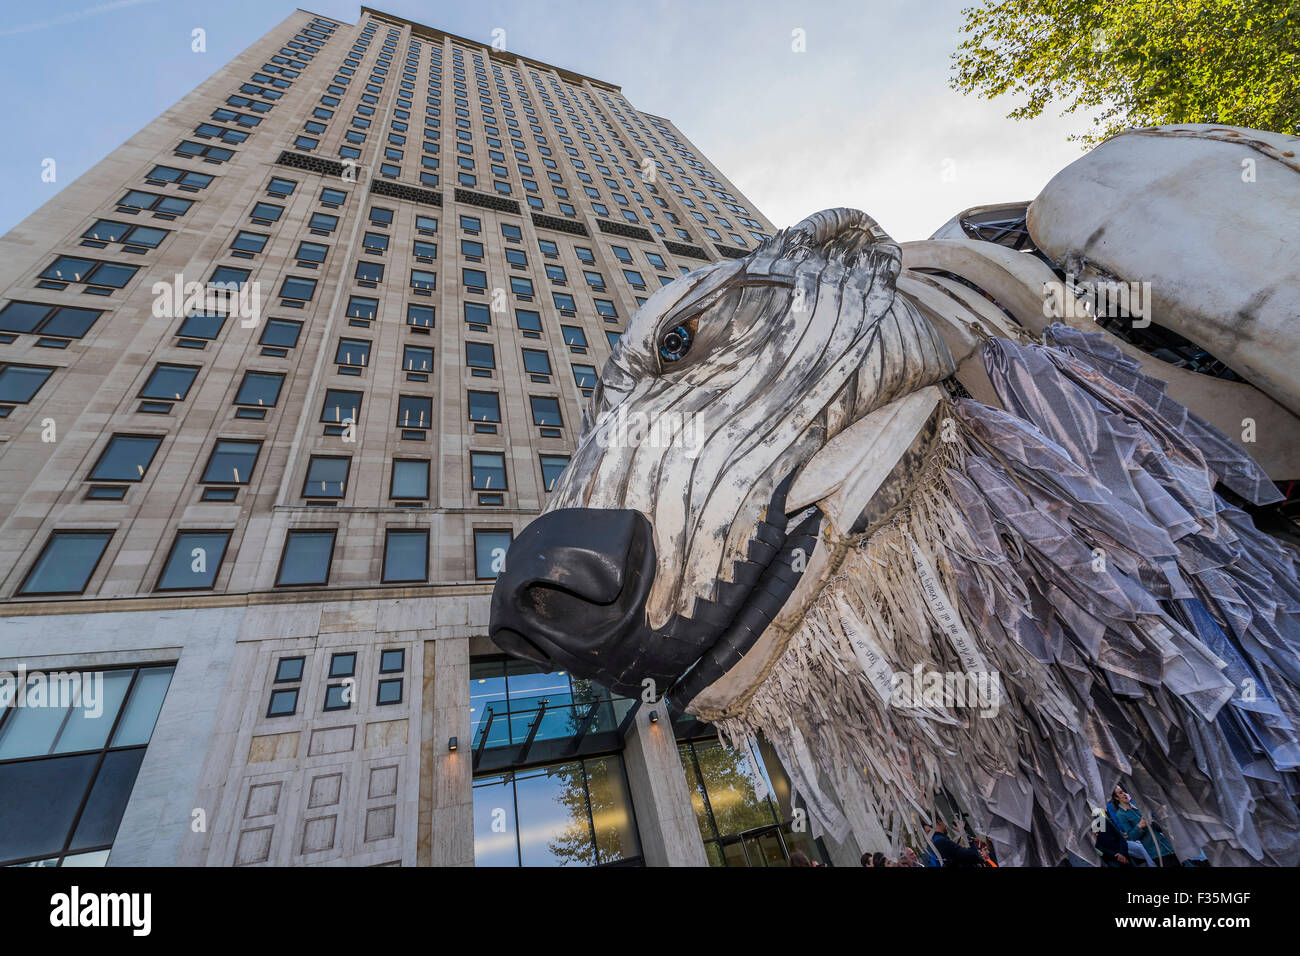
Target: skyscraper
279,378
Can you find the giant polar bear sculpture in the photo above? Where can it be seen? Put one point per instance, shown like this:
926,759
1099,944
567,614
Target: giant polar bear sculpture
786,512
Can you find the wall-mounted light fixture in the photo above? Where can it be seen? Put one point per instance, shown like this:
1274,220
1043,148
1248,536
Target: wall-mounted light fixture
451,743
654,716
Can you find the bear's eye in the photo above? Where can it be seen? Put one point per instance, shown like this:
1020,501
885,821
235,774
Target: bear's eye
676,342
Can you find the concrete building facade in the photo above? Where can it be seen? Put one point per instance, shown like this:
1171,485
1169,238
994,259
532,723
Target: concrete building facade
279,379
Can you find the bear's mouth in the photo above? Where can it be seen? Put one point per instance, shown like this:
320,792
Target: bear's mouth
575,585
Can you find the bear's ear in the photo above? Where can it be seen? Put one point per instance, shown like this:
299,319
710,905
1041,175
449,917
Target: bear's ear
845,235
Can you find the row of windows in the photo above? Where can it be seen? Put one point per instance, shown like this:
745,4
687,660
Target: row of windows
340,688
69,559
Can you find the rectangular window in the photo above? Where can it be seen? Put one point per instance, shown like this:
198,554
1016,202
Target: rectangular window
484,407
232,462
477,314
260,389
352,355
419,316
306,558
406,555
311,253
480,355
341,407
194,560
250,242
280,333
574,338
546,411
414,411
126,458
490,549
552,467
370,273
564,302
474,279
295,288
327,476
410,479
488,471
20,383
528,320
71,795
66,563
108,275
536,362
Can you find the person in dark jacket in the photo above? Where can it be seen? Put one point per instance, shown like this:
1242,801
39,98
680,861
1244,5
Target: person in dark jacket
1138,827
1111,844
952,854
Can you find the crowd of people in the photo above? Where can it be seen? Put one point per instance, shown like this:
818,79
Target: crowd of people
1125,837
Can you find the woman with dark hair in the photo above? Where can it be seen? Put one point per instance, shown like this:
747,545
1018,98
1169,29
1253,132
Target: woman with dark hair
800,858
1137,828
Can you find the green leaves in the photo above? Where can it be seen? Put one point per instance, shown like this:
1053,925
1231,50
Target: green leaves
1137,62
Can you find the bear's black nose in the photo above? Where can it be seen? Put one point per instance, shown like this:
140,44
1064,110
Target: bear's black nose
574,586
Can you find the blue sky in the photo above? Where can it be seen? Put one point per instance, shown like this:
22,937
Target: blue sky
863,117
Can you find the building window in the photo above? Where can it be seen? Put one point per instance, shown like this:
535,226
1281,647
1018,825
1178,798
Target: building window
343,665
63,321
414,411
552,467
284,700
306,558
420,317
99,277
126,458
340,409
232,462
289,670
249,242
484,407
477,314
546,411
528,322
295,291
194,561
570,814
279,336
338,697
392,661
67,770
390,692
406,555
66,563
327,476
488,471
258,392
311,253
352,355
20,383
480,357
417,361
410,479
370,273
490,549
723,784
